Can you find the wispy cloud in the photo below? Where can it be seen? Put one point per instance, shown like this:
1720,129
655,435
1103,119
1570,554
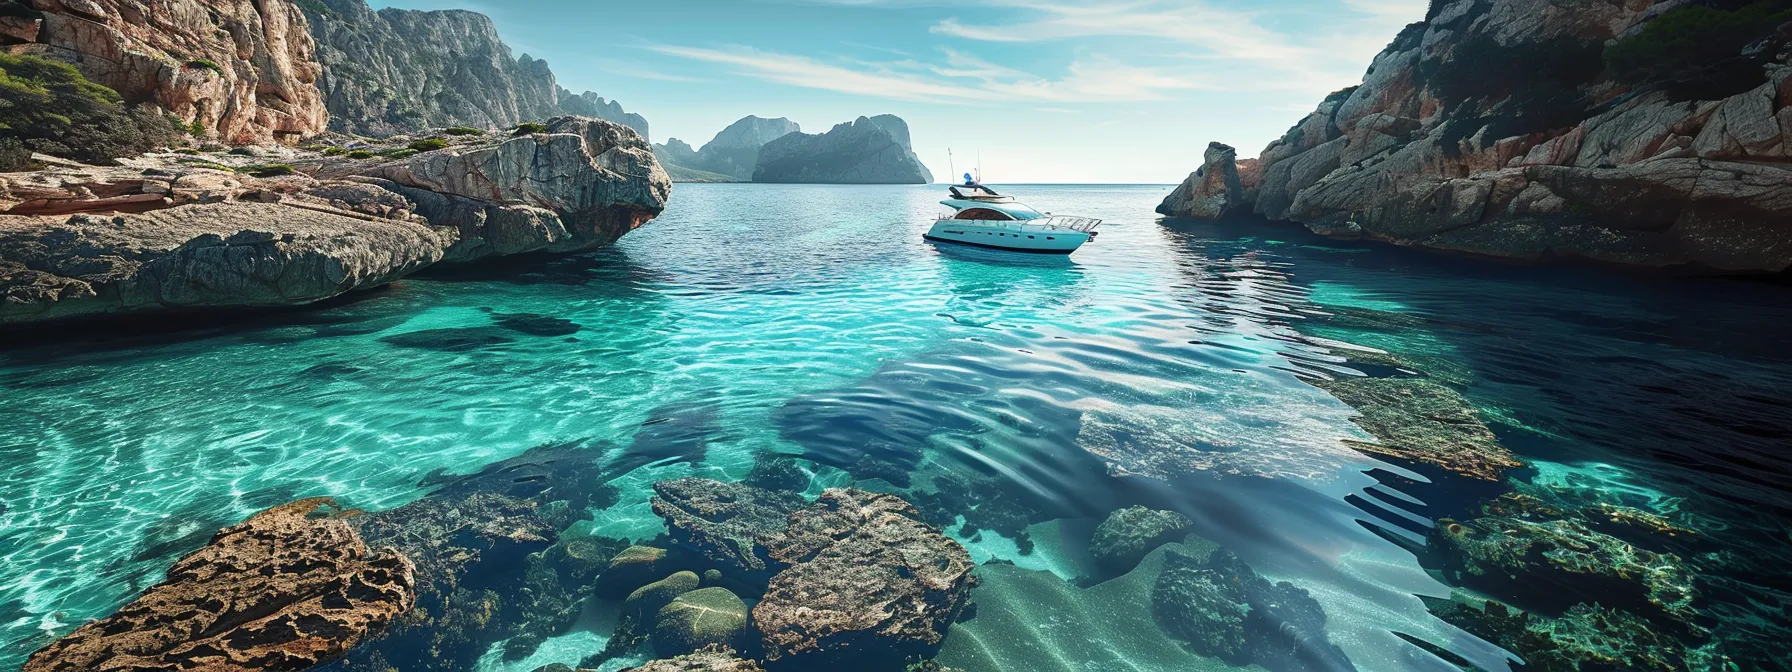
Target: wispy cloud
961,78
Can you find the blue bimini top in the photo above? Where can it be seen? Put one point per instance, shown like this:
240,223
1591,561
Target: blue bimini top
1016,210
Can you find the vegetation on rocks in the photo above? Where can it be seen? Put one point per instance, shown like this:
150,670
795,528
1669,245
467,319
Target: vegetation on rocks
529,129
462,130
428,145
269,170
1701,52
47,106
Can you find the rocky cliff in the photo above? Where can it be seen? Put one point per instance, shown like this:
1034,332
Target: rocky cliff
1641,132
399,71
240,70
227,231
733,153
870,150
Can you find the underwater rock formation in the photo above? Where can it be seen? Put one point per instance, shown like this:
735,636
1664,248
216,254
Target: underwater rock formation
868,585
1422,421
1587,637
241,71
1128,535
632,568
284,590
1533,129
1225,610
1553,563
984,503
700,618
871,150
232,231
723,521
711,659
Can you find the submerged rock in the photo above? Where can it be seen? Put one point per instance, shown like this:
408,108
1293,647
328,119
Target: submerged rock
1127,535
710,659
1553,564
631,568
721,522
1587,637
1225,610
867,584
1423,421
700,618
285,590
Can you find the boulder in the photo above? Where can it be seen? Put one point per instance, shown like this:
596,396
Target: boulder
175,232
238,70
647,600
722,522
867,585
285,590
1212,192
700,618
1129,534
1223,609
710,659
632,568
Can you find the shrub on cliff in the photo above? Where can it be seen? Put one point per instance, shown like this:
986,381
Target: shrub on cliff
428,145
1511,89
47,106
1701,52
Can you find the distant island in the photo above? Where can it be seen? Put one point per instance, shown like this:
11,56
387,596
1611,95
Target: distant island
869,150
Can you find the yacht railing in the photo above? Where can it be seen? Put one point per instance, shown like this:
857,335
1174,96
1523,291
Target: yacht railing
1083,224
1079,224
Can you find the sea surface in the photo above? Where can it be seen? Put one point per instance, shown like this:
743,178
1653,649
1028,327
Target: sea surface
1167,363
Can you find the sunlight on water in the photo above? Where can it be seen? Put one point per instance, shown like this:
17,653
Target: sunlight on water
1164,363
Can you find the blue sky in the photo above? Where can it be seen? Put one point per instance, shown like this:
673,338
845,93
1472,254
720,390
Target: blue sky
1043,90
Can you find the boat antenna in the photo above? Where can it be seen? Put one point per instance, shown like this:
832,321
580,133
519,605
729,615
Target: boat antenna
979,166
952,165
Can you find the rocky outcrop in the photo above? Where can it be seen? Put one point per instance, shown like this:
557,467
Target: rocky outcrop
1532,129
871,150
1418,420
172,231
1128,535
868,585
398,71
733,153
1214,191
239,70
285,590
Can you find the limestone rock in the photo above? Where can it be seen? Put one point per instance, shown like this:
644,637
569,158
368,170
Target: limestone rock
868,585
1128,535
1211,192
871,150
733,152
722,522
172,231
284,590
398,71
243,70
700,618
1423,421
1420,154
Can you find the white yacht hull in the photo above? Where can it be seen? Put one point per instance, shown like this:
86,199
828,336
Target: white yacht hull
1016,236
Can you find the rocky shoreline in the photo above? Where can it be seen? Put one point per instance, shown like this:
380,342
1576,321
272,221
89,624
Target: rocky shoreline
277,226
1494,128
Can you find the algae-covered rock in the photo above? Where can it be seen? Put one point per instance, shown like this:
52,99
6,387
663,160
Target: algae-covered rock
777,472
700,618
722,521
1127,535
1224,609
1553,564
868,585
1423,421
629,569
649,599
1587,637
710,659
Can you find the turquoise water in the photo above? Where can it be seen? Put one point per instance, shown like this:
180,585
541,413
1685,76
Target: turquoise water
1166,363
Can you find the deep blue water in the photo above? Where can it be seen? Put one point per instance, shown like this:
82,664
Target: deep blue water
1166,363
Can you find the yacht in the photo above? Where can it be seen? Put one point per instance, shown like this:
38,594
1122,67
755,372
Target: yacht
984,218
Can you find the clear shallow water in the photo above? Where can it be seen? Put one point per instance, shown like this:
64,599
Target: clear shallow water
813,321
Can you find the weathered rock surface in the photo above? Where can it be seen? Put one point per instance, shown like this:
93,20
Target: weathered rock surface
284,590
868,585
1422,421
698,619
1212,192
733,153
1466,136
401,71
712,659
170,231
722,522
1128,535
871,150
243,70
